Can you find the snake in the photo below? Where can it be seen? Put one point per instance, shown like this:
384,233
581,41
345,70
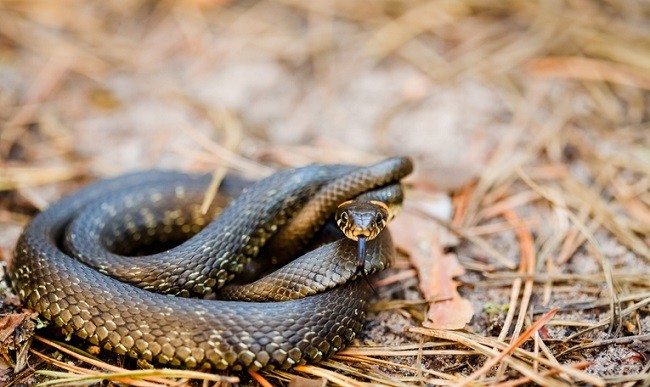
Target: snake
78,264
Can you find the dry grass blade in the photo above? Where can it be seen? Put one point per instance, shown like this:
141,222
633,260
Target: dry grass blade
228,157
12,178
157,376
549,373
484,349
566,277
329,375
83,376
602,211
640,377
444,379
260,379
527,265
360,351
623,313
402,30
217,177
591,69
621,340
513,345
364,373
484,345
600,303
489,249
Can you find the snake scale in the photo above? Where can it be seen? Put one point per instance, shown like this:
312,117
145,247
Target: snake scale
318,300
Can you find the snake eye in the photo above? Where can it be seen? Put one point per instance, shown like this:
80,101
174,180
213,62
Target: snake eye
379,218
344,217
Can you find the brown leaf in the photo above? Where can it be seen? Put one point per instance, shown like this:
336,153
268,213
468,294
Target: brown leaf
420,238
455,311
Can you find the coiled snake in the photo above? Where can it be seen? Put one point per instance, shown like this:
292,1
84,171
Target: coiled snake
319,303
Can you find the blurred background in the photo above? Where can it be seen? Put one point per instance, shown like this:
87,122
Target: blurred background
491,99
131,84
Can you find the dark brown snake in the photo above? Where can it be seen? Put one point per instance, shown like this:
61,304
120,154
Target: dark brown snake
319,301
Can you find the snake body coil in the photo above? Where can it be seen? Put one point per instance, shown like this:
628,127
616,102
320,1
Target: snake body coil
318,308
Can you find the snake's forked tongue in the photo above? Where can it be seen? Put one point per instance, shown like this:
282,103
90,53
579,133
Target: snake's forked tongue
361,261
362,251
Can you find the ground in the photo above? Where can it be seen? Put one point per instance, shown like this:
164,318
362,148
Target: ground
525,237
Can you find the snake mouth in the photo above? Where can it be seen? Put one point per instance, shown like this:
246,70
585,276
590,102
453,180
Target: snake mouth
356,233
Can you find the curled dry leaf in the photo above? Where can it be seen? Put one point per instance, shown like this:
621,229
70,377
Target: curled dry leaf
421,238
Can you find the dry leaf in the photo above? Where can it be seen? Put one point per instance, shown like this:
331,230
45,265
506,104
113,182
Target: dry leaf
419,237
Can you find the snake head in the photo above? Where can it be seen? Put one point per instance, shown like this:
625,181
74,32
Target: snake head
363,219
